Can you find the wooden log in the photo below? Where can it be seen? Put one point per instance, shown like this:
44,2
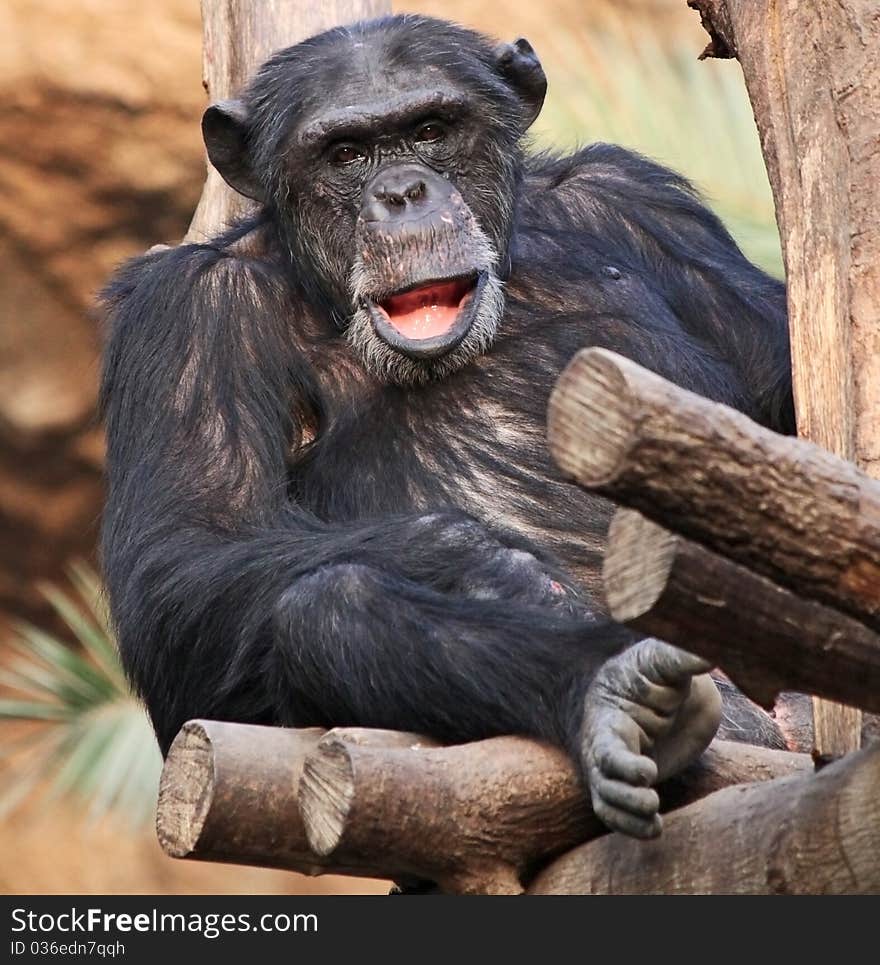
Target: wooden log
228,793
477,818
813,76
471,817
725,763
766,638
780,506
804,834
837,729
239,35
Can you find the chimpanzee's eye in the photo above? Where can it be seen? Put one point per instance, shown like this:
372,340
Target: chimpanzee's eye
430,131
347,153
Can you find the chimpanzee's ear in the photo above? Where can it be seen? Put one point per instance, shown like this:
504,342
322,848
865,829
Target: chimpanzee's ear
518,64
224,128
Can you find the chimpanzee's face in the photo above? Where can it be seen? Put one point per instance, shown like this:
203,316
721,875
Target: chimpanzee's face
394,180
410,225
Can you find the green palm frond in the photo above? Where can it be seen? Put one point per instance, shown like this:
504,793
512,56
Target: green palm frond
655,97
91,739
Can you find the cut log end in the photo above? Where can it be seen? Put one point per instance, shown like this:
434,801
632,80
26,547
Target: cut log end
186,791
589,420
637,565
326,793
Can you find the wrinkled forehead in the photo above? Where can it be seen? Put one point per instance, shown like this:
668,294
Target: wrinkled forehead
372,71
361,108
320,84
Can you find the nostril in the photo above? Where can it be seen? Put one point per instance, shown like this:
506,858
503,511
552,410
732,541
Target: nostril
401,194
391,197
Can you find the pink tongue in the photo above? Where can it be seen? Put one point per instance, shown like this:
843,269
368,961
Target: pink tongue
426,312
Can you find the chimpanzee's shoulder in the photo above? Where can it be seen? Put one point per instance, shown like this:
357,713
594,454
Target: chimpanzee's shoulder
246,253
600,166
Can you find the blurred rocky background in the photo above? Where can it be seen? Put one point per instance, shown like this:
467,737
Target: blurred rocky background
101,157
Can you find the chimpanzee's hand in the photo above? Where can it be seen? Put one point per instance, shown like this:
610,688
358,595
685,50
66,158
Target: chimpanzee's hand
648,713
491,568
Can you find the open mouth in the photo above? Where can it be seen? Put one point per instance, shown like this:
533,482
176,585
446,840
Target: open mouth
429,319
429,310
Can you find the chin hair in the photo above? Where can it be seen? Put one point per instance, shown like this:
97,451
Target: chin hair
390,366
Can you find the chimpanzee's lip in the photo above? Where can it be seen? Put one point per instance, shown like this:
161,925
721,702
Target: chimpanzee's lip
446,317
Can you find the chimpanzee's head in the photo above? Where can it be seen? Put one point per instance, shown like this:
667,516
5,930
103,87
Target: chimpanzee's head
389,152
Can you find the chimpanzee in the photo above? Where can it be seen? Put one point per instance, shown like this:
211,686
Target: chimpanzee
330,500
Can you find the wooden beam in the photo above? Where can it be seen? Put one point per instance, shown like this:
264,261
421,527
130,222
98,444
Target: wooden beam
780,506
766,638
228,793
804,834
473,818
477,818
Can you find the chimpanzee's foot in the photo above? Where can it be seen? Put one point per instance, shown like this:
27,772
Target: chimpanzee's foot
649,713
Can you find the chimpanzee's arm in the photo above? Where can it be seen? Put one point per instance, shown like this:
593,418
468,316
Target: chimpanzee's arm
652,220
232,603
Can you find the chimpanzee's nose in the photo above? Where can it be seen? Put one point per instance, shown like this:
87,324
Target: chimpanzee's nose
403,192
400,193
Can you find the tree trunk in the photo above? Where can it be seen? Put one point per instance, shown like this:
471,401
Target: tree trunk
239,35
803,835
813,75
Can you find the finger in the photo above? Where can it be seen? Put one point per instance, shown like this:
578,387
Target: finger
623,821
619,763
643,802
661,699
666,665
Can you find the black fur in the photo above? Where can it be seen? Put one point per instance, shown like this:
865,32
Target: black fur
288,539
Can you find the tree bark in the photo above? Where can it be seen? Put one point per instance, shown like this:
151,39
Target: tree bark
813,75
780,506
239,35
228,793
725,763
473,818
766,638
477,818
804,834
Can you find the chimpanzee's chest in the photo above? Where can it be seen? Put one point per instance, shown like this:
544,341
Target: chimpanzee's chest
476,441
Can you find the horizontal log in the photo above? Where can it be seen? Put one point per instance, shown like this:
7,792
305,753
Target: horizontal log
780,506
478,817
471,818
228,793
766,638
804,834
725,763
